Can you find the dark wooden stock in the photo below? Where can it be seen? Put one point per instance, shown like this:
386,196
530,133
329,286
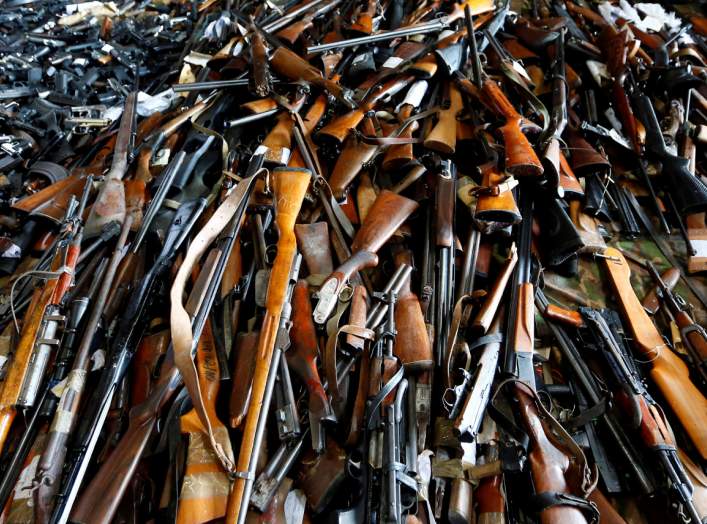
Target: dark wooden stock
357,316
259,80
313,242
275,512
444,219
491,504
101,498
412,345
243,367
584,158
387,214
302,357
547,463
323,475
152,348
521,159
568,181
607,512
51,202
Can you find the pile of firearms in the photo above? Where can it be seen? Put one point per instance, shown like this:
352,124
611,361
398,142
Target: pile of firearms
352,261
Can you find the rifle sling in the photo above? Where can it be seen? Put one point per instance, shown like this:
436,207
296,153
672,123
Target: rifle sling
180,324
587,415
542,501
330,354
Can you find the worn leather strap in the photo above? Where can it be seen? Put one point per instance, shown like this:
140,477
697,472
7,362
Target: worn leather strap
542,501
180,323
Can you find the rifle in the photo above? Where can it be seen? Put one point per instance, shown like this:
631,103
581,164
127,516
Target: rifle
445,197
388,212
668,371
668,281
642,411
558,116
294,31
46,400
692,334
110,201
289,186
562,492
302,358
591,388
40,334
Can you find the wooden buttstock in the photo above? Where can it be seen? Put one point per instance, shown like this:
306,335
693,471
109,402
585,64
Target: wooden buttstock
491,505
294,67
607,512
292,32
323,476
387,214
279,140
669,372
357,316
359,407
302,358
501,207
520,157
289,187
339,128
313,243
446,196
566,316
244,366
412,345
695,338
568,180
547,464
144,366
443,136
51,202
348,165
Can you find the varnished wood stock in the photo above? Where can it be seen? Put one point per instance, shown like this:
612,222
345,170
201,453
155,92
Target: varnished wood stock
668,371
289,188
244,348
521,159
486,314
670,278
443,136
294,67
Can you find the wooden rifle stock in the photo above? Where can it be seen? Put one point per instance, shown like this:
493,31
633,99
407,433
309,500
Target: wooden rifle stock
491,504
289,188
401,156
412,344
443,136
313,242
279,141
494,203
668,371
387,214
110,202
152,348
244,348
354,155
302,357
314,115
521,159
486,314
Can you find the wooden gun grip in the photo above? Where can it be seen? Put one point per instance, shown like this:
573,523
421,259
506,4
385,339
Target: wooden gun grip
443,136
354,155
339,128
313,242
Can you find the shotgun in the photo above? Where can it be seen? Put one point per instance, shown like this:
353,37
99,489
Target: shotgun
387,214
668,371
289,187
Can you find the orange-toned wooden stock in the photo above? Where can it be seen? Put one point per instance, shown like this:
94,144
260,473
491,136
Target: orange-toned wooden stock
289,187
521,159
668,371
443,136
